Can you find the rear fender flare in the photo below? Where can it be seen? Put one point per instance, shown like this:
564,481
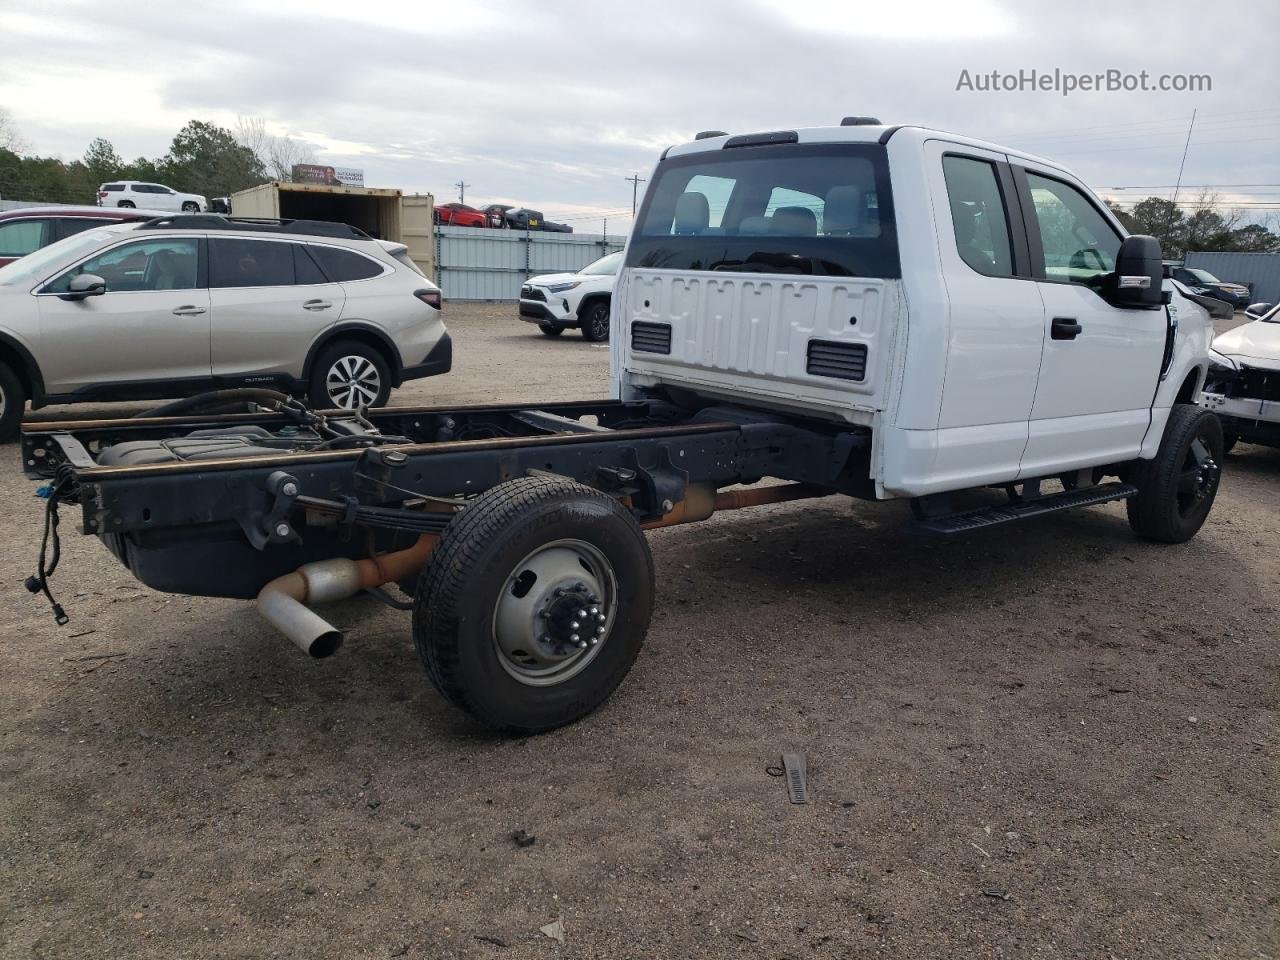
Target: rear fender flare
355,331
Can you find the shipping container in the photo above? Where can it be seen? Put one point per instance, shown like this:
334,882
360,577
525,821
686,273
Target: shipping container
380,212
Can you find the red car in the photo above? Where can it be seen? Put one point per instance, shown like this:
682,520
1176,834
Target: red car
27,229
460,215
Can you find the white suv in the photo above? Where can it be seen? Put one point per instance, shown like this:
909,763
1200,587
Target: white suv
173,307
557,301
156,196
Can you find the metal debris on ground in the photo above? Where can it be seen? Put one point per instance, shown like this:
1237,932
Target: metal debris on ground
797,777
995,894
522,839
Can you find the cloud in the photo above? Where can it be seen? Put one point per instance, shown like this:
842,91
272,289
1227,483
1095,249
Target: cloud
555,104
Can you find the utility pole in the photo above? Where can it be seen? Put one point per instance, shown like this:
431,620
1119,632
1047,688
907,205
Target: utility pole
635,180
462,191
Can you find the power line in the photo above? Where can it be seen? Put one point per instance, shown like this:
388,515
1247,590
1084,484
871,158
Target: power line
1187,146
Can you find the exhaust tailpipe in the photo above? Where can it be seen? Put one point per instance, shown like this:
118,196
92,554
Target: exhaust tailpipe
284,602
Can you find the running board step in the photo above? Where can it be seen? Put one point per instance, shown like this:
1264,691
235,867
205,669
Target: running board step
954,523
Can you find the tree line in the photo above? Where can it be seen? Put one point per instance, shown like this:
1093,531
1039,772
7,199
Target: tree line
203,158
1209,225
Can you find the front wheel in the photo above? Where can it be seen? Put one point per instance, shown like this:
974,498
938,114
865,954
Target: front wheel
595,321
1176,490
191,207
535,604
347,376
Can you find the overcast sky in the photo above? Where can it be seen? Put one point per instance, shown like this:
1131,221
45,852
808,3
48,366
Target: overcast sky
554,104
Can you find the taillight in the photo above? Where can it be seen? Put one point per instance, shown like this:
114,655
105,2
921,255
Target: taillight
431,298
102,194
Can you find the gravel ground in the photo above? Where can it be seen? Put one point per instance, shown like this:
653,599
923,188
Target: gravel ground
1051,741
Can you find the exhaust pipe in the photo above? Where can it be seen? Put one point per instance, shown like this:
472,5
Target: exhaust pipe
701,500
284,602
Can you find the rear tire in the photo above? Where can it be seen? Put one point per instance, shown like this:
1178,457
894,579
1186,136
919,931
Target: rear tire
346,374
1176,490
595,321
496,618
550,329
126,203
13,403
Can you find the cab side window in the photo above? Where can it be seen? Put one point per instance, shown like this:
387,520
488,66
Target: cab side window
169,264
1079,245
978,215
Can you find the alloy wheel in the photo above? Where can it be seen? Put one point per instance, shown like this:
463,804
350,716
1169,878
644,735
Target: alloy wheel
352,382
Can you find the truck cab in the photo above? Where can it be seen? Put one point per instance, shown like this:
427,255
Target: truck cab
962,300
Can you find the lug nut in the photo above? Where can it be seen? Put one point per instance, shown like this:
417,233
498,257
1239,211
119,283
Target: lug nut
593,641
575,625
600,617
573,638
282,529
599,630
595,611
582,614
581,644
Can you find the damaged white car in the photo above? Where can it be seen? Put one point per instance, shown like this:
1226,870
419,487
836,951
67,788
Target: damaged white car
1243,385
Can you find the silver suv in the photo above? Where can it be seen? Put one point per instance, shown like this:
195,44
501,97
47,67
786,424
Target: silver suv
179,305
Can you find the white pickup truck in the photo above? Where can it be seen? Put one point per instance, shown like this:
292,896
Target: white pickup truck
876,311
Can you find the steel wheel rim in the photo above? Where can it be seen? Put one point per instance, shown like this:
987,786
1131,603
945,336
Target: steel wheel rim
4,402
529,629
352,382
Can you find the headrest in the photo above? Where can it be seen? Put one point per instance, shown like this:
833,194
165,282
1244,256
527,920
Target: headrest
843,211
693,214
754,227
795,222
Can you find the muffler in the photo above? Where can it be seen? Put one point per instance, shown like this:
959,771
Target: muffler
284,602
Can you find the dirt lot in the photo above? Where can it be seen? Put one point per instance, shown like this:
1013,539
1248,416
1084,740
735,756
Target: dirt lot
1053,741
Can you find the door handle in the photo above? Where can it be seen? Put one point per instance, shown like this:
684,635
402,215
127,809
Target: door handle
191,310
316,305
1065,328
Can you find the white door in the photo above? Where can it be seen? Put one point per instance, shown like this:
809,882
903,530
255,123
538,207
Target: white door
268,299
152,324
996,319
1101,364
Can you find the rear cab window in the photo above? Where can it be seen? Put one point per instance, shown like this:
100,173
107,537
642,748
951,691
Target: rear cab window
816,209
